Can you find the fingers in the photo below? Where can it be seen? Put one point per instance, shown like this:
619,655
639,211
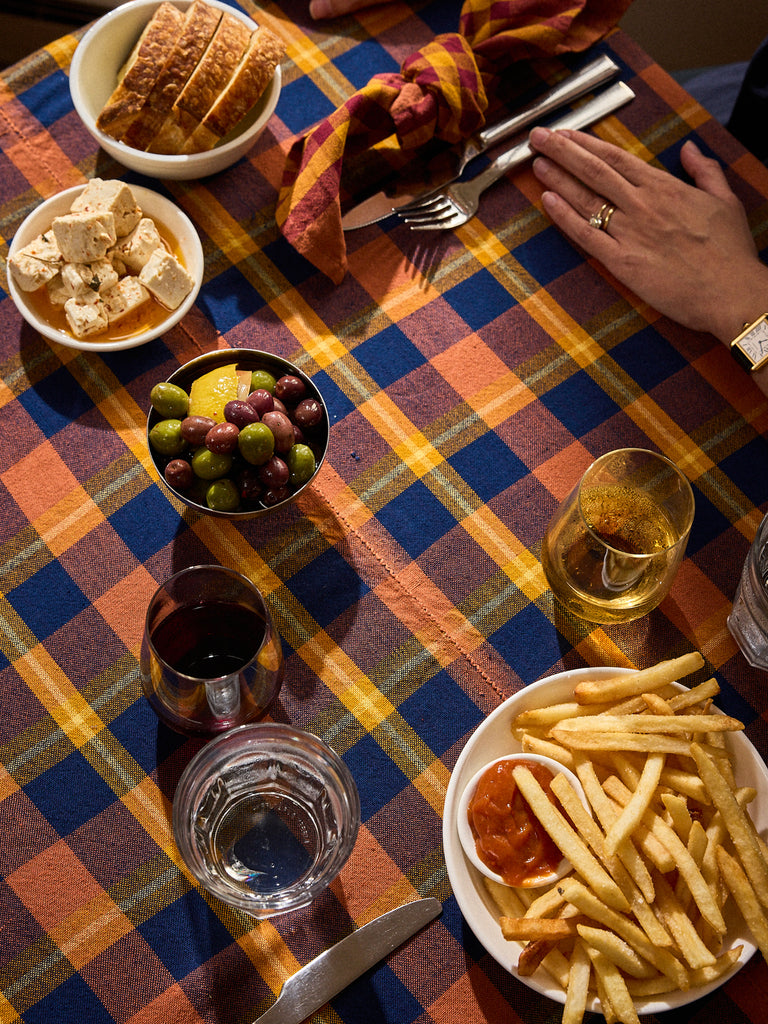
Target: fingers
607,169
707,173
572,223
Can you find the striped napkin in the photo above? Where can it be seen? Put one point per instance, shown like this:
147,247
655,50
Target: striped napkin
441,93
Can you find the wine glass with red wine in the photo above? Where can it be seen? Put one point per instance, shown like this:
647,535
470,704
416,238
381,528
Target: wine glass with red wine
210,657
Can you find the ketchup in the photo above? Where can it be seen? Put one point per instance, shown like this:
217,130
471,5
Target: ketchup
509,838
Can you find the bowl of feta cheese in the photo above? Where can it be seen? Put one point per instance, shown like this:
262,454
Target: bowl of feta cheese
105,266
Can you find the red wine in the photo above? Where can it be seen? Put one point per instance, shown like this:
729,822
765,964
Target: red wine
209,640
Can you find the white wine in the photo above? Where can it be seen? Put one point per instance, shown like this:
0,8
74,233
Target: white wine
609,560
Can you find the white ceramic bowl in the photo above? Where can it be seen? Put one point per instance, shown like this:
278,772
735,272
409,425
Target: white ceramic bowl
153,205
465,829
93,75
494,739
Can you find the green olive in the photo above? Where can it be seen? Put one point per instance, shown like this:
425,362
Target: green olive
169,400
165,437
210,465
222,496
263,379
256,443
301,464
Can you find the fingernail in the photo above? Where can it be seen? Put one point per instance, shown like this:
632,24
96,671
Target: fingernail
540,134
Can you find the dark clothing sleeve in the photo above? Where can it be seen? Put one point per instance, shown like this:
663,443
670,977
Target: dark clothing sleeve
749,119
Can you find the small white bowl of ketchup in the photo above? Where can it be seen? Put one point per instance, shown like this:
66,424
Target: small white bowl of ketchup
500,834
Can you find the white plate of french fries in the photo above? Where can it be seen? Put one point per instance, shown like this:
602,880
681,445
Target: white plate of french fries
656,916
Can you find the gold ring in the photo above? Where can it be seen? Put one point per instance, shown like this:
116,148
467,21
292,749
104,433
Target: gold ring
606,217
596,220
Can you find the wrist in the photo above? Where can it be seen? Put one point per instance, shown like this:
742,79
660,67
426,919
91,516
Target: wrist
742,303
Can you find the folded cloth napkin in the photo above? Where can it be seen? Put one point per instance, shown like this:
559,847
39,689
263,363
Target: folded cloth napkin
441,93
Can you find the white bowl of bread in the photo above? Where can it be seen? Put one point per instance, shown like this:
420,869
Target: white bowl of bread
176,90
105,266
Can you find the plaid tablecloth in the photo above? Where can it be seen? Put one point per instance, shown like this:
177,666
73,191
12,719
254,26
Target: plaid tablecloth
470,378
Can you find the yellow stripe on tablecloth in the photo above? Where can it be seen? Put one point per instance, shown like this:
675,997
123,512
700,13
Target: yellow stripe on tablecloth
149,806
90,930
406,441
7,1013
68,708
265,948
345,680
68,521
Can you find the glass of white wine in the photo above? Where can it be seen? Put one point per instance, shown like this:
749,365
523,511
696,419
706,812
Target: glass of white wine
613,547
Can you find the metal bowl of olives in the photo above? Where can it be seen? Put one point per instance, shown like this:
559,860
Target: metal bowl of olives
237,433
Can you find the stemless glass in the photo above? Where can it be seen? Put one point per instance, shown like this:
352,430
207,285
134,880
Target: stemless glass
210,656
612,548
265,817
748,621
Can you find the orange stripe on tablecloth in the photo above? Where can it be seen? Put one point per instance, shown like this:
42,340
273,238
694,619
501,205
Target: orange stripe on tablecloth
118,606
172,1006
68,521
42,162
38,481
54,884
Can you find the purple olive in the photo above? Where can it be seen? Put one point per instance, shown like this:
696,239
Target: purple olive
240,412
222,438
178,474
290,389
261,401
308,413
274,495
194,429
274,473
281,427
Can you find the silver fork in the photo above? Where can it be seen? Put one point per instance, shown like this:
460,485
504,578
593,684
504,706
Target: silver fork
458,203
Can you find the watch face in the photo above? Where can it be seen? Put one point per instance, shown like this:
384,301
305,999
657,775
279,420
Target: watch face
755,344
751,347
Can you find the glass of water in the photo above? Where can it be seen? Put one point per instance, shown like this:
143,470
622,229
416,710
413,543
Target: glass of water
265,817
748,621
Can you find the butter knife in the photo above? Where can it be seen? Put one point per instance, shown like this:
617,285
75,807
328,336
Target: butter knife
597,71
335,968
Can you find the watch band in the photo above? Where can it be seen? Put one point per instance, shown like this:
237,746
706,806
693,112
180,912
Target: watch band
750,348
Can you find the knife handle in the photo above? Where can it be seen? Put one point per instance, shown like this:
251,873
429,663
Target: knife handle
571,88
335,968
593,110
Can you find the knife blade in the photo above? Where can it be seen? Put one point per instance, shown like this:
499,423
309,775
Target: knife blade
597,71
335,968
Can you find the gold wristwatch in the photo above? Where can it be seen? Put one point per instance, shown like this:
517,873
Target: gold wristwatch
750,348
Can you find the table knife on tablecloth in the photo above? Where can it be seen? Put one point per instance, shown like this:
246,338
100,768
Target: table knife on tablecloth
597,71
335,968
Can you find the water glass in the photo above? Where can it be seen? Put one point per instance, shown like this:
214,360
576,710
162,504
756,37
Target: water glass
748,621
210,656
613,547
265,817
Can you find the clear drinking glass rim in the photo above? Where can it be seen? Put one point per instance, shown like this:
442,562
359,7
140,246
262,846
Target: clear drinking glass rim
232,573
661,458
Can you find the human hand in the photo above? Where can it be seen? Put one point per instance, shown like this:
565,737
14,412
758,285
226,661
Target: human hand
686,250
333,8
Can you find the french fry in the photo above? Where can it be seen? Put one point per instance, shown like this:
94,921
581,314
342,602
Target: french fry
633,813
615,988
645,742
745,897
738,823
577,990
532,955
567,841
617,951
679,924
601,691
642,989
526,929
676,724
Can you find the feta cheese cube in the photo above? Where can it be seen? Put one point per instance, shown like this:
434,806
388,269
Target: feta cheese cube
30,273
78,278
122,298
135,249
113,197
85,318
84,237
165,277
44,248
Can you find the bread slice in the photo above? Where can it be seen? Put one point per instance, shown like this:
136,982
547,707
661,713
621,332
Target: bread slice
200,23
204,85
242,92
141,70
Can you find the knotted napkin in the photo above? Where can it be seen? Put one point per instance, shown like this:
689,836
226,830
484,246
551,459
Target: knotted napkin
441,93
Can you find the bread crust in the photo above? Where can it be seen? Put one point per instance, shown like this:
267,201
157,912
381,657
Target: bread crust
200,23
242,92
142,69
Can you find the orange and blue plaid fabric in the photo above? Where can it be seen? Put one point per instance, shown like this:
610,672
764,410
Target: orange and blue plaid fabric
442,92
